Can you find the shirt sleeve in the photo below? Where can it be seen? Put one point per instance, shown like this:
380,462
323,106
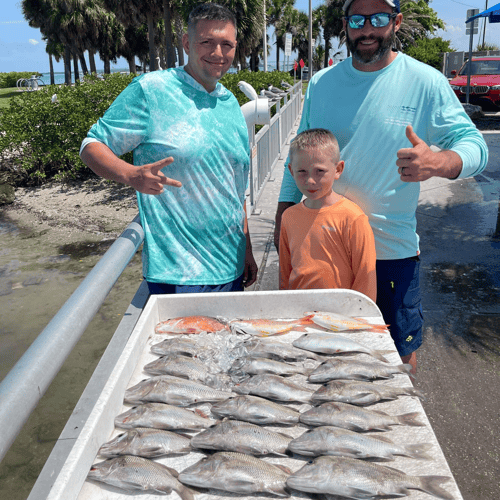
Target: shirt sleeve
363,258
285,262
125,124
452,129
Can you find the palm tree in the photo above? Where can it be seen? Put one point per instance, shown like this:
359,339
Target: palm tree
329,16
276,10
135,13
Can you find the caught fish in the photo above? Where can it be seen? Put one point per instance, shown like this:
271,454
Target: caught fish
136,473
340,323
327,343
351,369
147,443
190,324
361,393
242,437
174,391
256,410
258,348
259,366
185,367
163,416
356,418
357,479
345,443
268,327
237,473
178,345
274,387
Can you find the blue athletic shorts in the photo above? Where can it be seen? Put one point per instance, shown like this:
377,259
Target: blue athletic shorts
164,288
400,301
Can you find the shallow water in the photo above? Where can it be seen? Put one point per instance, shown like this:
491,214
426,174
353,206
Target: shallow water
38,273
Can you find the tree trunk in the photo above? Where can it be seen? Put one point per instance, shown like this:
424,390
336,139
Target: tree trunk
51,66
151,38
131,64
179,31
107,65
92,62
169,37
75,67
83,63
67,65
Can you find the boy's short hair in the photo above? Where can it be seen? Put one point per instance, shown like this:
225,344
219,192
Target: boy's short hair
315,138
210,12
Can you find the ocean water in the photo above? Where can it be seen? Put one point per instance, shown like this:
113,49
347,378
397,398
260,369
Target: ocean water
59,76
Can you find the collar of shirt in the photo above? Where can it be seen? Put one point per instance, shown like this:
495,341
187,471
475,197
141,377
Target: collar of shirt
219,91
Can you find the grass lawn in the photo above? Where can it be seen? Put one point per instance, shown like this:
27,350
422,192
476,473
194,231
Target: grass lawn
6,95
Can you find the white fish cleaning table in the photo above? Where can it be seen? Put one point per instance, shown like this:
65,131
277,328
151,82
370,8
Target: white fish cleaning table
64,476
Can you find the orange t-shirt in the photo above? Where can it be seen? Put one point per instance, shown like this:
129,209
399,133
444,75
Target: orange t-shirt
331,247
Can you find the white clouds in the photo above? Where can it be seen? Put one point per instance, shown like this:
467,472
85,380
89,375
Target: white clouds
33,42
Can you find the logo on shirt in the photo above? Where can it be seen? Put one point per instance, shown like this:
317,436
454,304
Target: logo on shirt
404,118
328,228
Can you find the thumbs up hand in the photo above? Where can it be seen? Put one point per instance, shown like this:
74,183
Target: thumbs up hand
148,179
415,164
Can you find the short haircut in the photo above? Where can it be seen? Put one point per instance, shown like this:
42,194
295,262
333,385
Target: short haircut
313,139
210,12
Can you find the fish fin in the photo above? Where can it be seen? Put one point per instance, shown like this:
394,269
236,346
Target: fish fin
359,493
284,468
430,484
419,451
410,419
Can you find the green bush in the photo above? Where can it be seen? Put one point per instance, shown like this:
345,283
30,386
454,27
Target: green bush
41,139
8,80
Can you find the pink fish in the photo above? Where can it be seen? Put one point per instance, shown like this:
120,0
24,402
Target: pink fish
190,324
269,327
338,322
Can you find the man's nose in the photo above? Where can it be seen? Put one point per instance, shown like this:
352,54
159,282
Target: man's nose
218,50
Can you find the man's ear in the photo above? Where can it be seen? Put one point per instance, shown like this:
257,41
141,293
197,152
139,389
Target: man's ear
339,168
185,43
398,21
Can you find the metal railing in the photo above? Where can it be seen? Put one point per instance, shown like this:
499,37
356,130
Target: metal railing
267,145
27,382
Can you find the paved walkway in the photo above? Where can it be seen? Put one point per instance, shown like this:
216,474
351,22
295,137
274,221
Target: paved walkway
261,224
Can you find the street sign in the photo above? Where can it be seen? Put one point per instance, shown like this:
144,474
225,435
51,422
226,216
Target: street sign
295,66
301,62
330,61
474,25
288,44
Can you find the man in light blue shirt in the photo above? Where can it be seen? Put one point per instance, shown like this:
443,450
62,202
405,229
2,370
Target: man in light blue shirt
385,109
191,163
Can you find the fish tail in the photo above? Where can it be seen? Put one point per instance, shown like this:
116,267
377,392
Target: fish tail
418,451
379,355
430,485
411,419
411,391
406,368
185,493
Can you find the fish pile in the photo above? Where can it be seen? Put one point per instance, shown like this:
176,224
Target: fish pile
302,401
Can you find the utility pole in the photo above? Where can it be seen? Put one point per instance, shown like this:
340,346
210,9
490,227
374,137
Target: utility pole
484,22
265,38
310,42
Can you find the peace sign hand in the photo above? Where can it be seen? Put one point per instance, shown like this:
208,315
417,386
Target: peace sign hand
148,179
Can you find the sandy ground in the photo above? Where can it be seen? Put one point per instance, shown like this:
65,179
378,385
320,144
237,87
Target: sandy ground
96,206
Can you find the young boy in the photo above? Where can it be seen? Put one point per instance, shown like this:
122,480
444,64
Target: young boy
326,241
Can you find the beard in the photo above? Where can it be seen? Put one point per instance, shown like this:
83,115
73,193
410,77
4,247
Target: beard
384,46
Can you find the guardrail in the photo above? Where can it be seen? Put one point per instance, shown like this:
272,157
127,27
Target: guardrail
267,145
27,382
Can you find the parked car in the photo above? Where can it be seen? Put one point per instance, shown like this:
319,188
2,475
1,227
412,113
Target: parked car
484,82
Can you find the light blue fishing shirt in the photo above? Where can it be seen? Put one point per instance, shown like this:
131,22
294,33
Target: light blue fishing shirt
193,234
368,112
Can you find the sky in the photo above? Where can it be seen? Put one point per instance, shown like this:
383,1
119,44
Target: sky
22,47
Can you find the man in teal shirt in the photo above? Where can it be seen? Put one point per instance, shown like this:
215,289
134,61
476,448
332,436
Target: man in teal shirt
385,108
191,163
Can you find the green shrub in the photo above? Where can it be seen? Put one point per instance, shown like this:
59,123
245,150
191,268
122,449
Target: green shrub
8,80
41,139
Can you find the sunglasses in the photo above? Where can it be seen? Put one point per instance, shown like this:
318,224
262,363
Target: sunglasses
380,20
